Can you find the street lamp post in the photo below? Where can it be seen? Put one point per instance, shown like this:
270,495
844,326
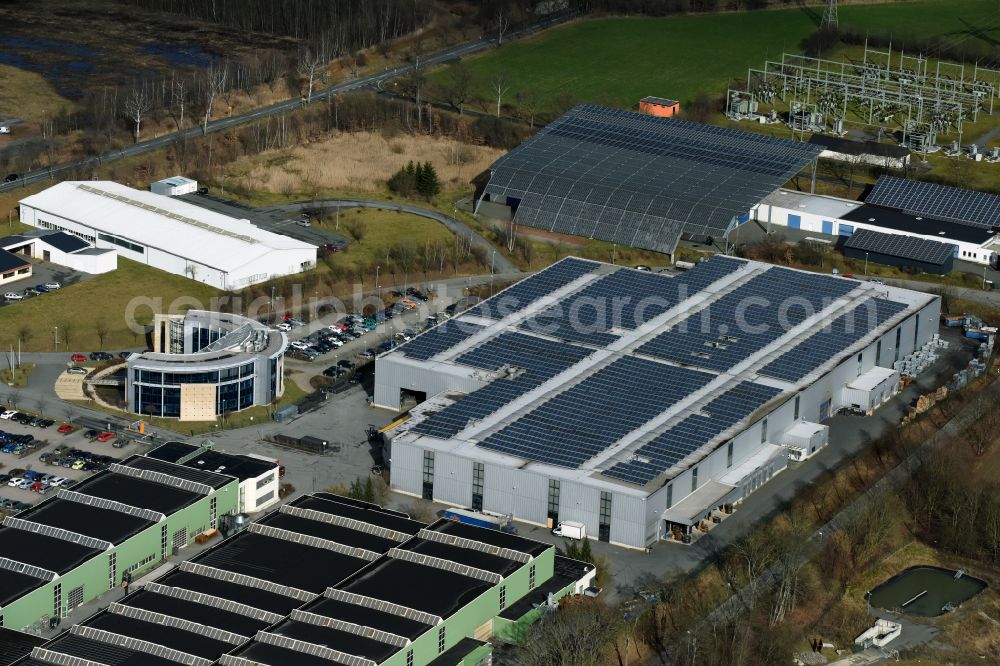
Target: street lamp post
866,263
377,285
55,337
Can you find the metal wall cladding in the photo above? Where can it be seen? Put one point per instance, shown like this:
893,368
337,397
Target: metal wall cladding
452,479
392,375
407,462
521,493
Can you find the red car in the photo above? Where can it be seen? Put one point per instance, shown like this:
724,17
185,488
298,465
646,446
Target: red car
65,428
78,358
105,436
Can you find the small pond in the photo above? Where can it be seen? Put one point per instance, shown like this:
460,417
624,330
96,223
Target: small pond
925,591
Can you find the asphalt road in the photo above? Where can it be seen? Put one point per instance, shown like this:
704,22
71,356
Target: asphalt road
448,55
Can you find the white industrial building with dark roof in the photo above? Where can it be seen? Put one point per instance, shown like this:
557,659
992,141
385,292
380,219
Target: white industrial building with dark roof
167,233
639,403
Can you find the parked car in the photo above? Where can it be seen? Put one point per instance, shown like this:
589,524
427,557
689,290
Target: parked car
345,363
91,434
65,428
105,436
284,326
11,177
76,370
15,481
78,358
13,296
52,285
100,356
8,415
41,289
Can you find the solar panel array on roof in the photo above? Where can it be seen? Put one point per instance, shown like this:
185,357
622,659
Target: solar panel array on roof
690,434
948,203
438,339
537,361
532,288
624,299
748,318
833,340
640,180
901,246
582,421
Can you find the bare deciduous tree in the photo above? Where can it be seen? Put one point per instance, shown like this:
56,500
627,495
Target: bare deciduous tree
101,328
458,86
137,104
179,97
216,78
503,23
312,60
500,86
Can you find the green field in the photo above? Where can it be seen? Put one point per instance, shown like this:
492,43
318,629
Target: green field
102,300
618,61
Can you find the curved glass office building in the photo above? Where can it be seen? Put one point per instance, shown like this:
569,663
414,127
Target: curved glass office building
205,364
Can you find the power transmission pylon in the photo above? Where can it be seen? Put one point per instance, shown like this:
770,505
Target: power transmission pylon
830,19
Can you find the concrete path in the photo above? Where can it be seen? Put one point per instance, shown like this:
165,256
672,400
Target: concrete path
500,263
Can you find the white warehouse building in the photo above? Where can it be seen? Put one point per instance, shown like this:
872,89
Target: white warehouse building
167,233
965,219
640,404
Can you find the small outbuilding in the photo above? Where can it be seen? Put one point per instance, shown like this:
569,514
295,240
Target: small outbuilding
174,186
660,107
13,267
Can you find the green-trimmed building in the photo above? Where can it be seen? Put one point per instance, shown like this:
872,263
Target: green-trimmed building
76,545
327,580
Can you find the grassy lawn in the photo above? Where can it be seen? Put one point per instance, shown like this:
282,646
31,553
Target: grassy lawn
617,61
28,96
19,376
101,302
248,417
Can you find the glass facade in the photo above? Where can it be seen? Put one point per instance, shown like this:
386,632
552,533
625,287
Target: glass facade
157,393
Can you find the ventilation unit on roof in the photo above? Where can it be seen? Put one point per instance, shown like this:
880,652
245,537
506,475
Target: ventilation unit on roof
729,338
701,354
716,345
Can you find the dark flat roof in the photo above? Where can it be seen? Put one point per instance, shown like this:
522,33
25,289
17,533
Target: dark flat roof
389,520
272,655
211,460
104,653
922,225
415,586
241,594
343,641
457,652
171,637
43,551
350,501
137,492
15,585
280,561
341,535
195,612
492,537
466,556
104,524
209,478
367,617
663,101
16,239
172,451
537,596
64,241
16,644
848,147
9,262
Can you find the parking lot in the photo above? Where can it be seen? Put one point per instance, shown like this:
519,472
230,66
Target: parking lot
42,273
52,439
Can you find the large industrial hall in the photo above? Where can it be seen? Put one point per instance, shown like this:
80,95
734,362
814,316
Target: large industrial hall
328,580
640,180
167,233
638,403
